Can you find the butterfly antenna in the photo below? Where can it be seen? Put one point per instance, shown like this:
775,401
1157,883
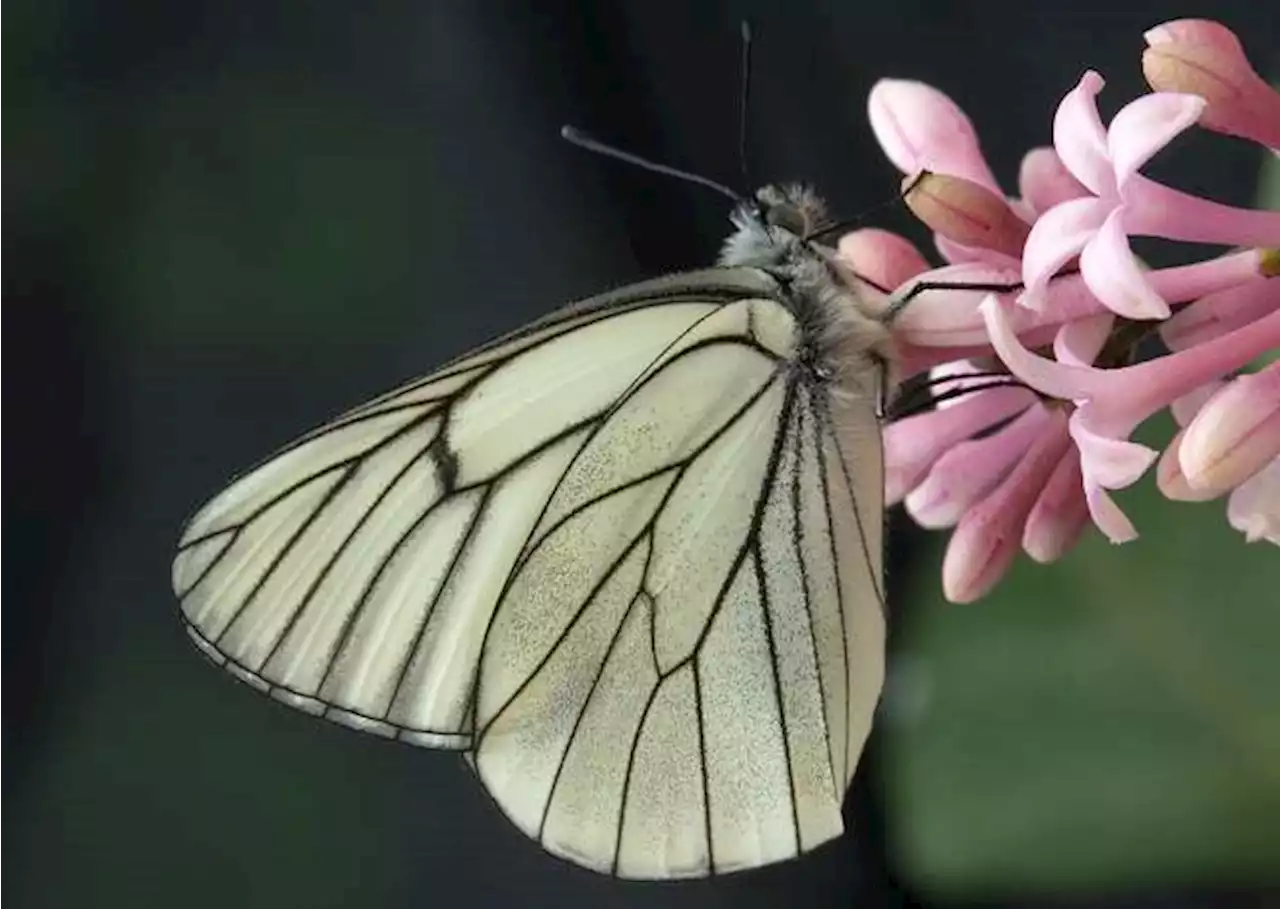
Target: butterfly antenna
582,140
744,107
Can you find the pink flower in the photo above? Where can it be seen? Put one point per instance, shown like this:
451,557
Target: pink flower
989,535
1235,434
1060,515
881,257
1123,202
1200,57
1111,403
968,215
1044,181
914,444
1254,506
968,471
1169,476
1010,469
920,128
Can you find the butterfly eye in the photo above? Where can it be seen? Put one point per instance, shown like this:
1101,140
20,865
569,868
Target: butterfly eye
788,218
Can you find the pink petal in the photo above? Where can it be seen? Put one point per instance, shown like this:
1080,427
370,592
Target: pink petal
948,318
1235,434
1123,398
1220,312
1066,299
913,444
1188,282
1109,462
1078,343
956,377
1157,210
1044,180
1136,392
1058,236
952,378
1195,31
987,538
920,128
1079,138
958,254
1254,506
881,256
1112,273
1107,515
1185,408
1060,513
968,471
1064,381
1024,210
1206,59
966,211
1170,479
1143,127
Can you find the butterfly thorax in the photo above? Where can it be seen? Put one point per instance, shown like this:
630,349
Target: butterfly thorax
842,336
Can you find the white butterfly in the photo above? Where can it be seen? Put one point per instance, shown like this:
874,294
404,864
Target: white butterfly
627,559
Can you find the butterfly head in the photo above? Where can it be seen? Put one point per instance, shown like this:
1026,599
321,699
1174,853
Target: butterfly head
774,226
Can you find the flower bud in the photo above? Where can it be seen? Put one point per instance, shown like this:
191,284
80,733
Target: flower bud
966,212
1204,58
1235,434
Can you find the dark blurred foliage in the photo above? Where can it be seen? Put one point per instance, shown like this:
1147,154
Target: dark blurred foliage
225,221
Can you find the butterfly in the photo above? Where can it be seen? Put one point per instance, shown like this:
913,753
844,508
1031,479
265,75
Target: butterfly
627,560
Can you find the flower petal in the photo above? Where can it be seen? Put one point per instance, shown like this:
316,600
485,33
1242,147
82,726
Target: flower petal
967,212
1254,506
1110,462
1044,181
966,473
1203,32
1235,434
1218,313
1065,381
1079,138
1060,513
1107,515
1144,126
987,538
913,444
951,379
1112,273
920,128
959,254
949,316
1170,479
881,256
1186,407
1157,210
1057,236
1079,342
1205,58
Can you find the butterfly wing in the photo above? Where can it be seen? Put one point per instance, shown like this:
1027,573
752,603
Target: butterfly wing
600,556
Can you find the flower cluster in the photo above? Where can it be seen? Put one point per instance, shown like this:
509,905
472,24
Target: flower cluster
1044,289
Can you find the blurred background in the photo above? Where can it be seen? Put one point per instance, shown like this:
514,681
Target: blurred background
226,221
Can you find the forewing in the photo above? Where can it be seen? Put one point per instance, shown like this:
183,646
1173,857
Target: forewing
353,573
628,558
